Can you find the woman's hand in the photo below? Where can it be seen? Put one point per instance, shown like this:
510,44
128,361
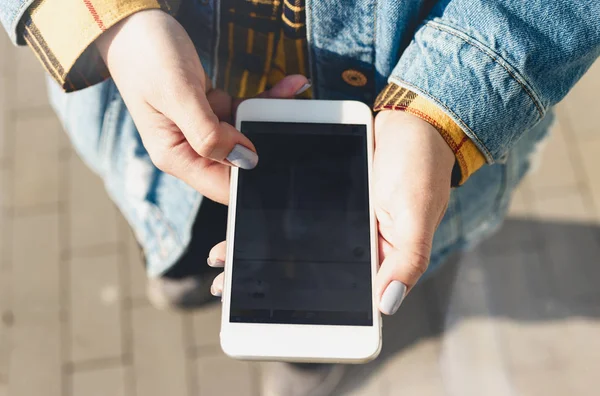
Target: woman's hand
184,123
412,172
411,179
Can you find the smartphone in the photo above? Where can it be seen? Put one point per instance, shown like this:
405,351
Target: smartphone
301,236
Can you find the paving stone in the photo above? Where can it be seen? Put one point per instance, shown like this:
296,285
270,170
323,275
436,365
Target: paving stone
564,205
375,385
159,353
516,234
135,265
583,346
590,160
5,130
415,370
35,364
471,359
92,215
36,159
6,78
220,375
531,344
35,268
207,326
553,169
569,252
95,307
30,82
517,283
519,206
579,104
5,283
547,382
6,323
100,382
5,220
5,49
6,189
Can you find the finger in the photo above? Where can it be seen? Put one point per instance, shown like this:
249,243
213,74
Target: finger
216,256
216,289
211,138
402,267
206,176
171,153
221,103
287,88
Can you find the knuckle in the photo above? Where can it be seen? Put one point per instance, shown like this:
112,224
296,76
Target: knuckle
161,159
417,263
208,141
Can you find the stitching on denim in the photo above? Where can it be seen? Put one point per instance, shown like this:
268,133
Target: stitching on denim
462,123
14,25
495,57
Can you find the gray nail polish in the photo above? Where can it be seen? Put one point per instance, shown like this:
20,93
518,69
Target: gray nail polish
242,157
304,88
392,297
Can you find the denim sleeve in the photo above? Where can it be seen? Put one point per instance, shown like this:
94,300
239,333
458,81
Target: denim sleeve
11,12
496,67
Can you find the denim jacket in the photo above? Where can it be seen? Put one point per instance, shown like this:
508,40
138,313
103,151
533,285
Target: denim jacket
496,67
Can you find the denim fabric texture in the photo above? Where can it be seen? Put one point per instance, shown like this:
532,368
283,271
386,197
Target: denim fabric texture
11,12
495,67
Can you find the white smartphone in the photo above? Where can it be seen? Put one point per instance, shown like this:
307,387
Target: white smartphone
301,237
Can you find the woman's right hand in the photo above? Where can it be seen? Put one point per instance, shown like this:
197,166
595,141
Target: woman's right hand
184,123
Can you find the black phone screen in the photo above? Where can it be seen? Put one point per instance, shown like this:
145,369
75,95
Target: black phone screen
302,251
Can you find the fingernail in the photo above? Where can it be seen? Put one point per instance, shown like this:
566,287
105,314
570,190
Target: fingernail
304,88
242,157
216,263
215,292
392,297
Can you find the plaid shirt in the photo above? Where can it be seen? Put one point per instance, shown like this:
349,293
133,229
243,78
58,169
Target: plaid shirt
261,42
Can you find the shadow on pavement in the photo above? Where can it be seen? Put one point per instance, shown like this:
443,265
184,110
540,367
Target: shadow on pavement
529,271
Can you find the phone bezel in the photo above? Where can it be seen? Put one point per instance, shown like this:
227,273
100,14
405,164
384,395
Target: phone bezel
324,343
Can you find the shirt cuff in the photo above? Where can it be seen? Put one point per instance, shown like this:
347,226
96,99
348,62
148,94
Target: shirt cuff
60,33
468,157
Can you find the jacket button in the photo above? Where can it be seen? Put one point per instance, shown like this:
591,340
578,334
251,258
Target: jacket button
354,78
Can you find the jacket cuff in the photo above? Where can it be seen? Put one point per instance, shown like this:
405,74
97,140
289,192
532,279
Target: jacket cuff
473,85
63,45
468,157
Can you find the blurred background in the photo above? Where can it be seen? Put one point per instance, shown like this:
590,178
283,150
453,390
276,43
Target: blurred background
520,315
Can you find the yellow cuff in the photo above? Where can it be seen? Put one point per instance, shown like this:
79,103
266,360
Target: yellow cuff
60,33
468,156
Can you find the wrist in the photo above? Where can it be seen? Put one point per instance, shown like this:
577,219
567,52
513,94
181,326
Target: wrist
418,135
129,30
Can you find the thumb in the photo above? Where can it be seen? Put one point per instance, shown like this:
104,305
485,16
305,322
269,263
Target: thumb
402,267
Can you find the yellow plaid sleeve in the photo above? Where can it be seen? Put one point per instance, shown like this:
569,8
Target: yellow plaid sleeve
60,32
468,156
